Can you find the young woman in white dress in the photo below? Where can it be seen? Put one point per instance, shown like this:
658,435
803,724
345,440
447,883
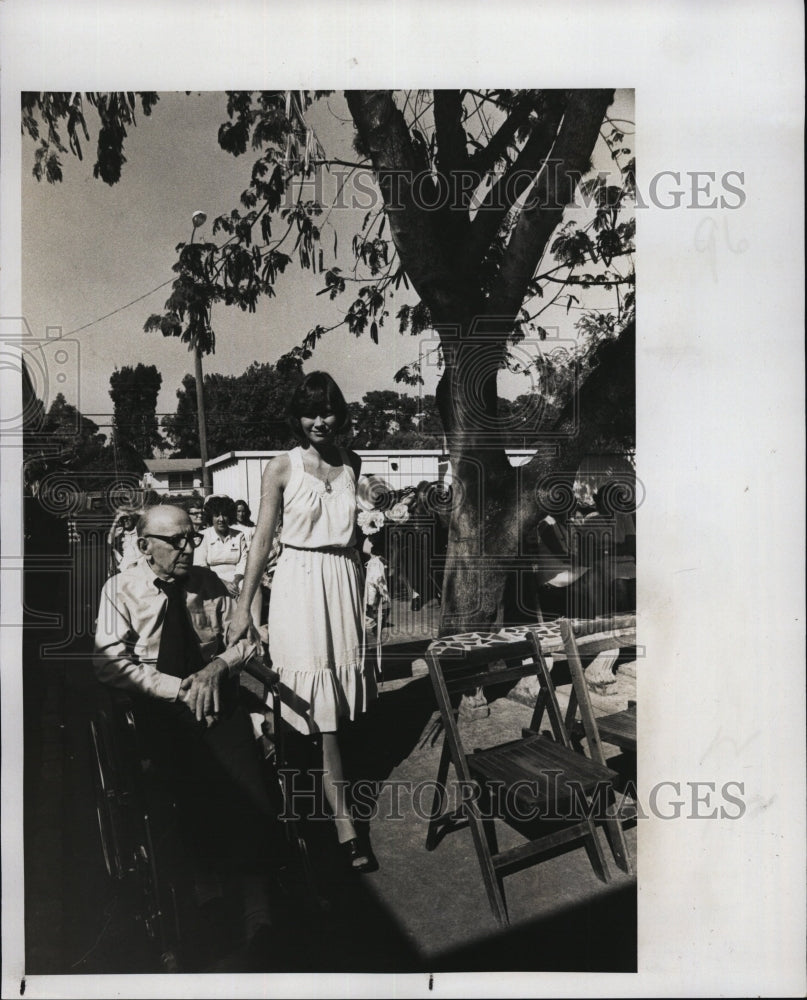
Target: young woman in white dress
315,615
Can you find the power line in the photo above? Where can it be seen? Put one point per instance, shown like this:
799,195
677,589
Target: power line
115,311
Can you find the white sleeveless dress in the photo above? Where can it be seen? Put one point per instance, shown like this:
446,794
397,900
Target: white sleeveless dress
315,614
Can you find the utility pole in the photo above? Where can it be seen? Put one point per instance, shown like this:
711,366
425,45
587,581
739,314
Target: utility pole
199,219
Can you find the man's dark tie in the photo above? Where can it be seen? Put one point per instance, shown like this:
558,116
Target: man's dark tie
180,654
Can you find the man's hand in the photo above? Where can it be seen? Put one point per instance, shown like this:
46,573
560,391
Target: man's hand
201,691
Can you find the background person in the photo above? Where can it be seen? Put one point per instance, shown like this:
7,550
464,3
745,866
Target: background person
122,540
243,520
245,524
197,515
315,615
223,549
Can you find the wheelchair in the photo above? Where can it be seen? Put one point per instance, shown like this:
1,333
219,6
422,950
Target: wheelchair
138,829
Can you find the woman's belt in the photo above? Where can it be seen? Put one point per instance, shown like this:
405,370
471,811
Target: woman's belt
336,550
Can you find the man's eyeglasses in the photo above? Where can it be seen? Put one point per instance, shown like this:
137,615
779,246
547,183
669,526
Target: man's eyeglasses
180,542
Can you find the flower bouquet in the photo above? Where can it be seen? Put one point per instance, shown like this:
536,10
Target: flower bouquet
378,506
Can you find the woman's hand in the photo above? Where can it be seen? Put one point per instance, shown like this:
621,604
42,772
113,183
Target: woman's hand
239,625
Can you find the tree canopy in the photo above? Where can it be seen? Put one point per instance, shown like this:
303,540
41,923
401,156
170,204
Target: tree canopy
485,206
134,394
484,177
244,412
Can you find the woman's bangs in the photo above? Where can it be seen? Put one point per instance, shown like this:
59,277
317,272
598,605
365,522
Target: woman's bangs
314,402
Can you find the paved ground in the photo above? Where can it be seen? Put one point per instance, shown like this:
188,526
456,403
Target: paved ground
421,911
437,898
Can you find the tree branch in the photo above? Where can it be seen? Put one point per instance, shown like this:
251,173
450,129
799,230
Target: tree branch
452,154
421,244
485,159
553,191
515,181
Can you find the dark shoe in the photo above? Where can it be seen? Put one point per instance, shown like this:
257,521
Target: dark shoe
416,603
356,858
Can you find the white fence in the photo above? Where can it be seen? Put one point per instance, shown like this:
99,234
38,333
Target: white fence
238,473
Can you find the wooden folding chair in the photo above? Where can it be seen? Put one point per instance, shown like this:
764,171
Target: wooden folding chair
540,777
619,729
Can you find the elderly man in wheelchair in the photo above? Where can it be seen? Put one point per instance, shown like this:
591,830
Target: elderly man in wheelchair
161,638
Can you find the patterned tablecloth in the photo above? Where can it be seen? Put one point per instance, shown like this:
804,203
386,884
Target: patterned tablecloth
548,634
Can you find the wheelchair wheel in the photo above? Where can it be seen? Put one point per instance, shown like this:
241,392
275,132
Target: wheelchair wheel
123,798
107,797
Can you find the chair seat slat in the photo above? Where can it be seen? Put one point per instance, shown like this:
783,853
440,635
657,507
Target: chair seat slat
547,770
619,729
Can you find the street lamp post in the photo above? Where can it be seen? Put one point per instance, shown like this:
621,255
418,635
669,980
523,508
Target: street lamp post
199,219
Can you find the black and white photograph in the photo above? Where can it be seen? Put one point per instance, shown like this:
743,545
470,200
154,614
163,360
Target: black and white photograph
401,503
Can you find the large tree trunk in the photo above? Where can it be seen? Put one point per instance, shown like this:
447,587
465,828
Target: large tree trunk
473,308
497,505
483,535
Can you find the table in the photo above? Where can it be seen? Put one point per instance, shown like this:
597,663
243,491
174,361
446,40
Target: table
590,633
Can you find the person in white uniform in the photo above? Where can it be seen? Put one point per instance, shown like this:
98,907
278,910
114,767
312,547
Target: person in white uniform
315,615
223,549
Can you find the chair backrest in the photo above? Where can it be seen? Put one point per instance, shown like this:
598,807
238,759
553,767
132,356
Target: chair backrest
586,639
456,671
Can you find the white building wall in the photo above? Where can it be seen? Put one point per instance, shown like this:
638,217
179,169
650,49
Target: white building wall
239,476
226,479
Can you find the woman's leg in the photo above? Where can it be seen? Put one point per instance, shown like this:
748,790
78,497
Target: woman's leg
335,787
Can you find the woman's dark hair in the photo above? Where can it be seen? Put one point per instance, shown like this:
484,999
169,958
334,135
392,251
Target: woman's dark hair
247,511
216,505
317,392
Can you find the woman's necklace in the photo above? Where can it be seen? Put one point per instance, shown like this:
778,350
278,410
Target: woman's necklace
329,475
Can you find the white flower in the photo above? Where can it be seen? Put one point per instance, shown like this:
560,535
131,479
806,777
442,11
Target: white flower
370,521
399,514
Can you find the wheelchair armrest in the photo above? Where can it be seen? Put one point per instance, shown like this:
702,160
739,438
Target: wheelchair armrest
261,673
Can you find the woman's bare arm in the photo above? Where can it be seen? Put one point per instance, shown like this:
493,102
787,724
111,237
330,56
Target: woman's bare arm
273,482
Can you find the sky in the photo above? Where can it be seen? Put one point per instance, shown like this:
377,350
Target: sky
89,249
